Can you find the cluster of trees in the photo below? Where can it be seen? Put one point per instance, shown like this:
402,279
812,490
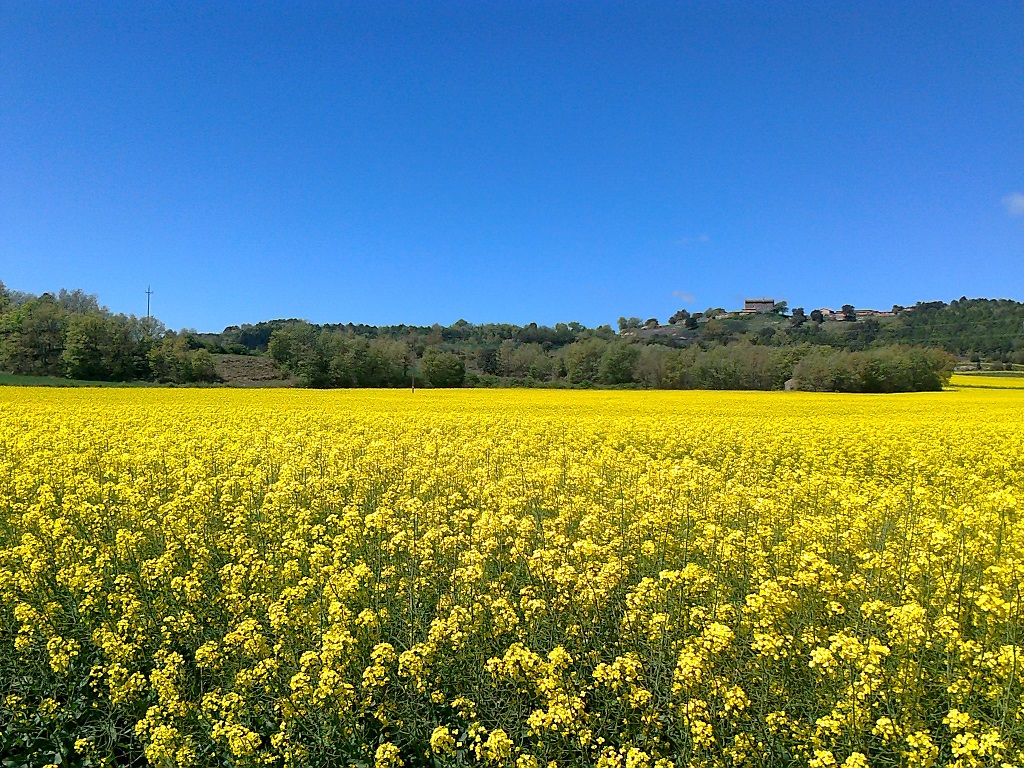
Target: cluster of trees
255,338
885,369
751,366
330,357
503,355
441,356
70,335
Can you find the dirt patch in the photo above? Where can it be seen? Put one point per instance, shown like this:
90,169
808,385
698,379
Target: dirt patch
251,371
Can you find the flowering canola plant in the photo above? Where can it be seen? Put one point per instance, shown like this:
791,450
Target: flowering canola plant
512,578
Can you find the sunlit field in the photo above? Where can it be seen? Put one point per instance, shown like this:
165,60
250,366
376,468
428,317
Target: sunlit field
528,578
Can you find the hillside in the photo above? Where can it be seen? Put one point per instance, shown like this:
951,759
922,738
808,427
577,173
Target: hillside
989,330
251,371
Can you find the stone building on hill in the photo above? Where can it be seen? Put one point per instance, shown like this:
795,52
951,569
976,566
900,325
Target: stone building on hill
757,306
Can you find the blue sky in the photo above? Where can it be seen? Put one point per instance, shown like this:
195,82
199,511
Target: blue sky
527,161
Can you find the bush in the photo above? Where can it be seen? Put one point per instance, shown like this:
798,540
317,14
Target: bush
736,366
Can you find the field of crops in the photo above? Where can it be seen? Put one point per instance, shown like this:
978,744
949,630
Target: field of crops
511,578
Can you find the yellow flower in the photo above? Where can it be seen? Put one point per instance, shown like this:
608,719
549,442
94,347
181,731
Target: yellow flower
387,756
441,741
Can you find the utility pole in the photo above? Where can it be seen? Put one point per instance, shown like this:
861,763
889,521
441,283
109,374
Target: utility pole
149,292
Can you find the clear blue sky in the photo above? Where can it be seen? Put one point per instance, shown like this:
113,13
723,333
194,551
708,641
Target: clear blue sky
521,161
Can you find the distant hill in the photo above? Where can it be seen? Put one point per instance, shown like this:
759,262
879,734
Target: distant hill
990,330
976,328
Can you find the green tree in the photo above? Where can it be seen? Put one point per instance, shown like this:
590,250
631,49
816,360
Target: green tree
583,360
202,368
679,317
91,349
79,302
389,362
32,337
649,369
487,360
442,369
523,359
506,357
85,350
298,348
617,363
543,368
168,359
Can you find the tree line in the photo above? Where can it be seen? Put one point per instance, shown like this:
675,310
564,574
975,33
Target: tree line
70,335
333,357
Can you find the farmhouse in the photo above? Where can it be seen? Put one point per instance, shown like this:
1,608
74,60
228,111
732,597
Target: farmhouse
757,306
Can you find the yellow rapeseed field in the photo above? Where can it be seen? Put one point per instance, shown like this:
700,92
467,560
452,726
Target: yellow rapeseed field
511,578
